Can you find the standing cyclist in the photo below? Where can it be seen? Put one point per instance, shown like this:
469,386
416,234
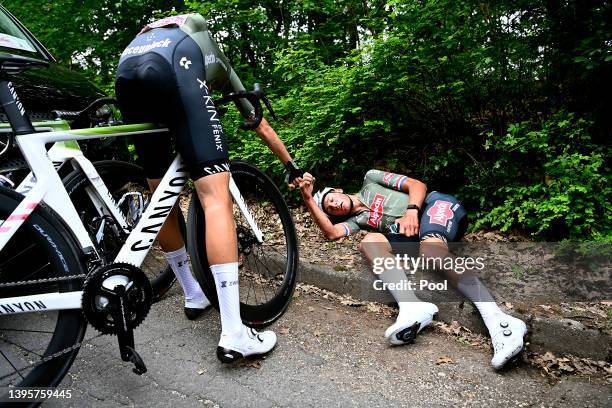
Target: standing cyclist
165,76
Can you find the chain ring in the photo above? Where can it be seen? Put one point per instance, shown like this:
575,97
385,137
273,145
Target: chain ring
139,295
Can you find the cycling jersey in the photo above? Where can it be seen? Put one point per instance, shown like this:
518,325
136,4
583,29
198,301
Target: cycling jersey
442,215
165,76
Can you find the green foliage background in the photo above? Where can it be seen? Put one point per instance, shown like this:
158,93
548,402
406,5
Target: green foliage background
506,104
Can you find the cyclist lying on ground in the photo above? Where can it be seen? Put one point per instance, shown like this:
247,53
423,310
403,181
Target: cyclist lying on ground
398,211
165,76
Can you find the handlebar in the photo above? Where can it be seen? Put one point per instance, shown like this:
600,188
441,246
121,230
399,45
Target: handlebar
83,116
254,97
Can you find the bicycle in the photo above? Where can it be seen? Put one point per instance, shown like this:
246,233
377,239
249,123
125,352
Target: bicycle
126,183
61,296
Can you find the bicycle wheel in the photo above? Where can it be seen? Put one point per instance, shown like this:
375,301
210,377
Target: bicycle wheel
121,178
37,349
268,271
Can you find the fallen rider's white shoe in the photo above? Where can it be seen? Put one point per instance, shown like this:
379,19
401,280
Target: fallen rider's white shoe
250,343
507,340
410,323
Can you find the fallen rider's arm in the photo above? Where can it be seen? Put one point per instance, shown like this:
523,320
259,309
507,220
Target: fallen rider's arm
330,231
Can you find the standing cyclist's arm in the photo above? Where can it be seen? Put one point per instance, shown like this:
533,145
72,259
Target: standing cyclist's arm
271,139
264,130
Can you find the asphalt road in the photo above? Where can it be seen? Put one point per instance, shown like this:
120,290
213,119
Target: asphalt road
328,355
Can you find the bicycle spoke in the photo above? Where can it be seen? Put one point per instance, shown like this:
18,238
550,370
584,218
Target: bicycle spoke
25,330
12,365
270,273
20,347
36,271
248,295
16,255
254,291
274,249
263,287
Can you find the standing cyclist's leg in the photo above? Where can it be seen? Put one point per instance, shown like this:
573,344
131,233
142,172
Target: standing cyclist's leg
169,238
140,102
200,140
171,241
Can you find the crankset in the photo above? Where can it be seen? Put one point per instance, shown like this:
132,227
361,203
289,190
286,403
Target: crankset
116,299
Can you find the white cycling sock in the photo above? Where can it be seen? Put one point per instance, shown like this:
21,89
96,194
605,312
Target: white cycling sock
194,297
406,299
474,290
226,281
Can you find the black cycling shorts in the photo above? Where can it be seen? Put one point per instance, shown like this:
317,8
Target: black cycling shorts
161,79
442,217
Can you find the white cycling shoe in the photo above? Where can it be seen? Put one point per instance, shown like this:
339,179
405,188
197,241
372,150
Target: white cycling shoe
410,323
507,338
194,308
249,343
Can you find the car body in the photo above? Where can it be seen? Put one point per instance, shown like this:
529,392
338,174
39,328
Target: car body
43,90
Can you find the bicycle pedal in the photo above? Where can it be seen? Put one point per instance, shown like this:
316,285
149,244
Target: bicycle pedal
140,367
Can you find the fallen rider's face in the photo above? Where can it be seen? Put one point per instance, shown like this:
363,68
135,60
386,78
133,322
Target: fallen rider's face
337,204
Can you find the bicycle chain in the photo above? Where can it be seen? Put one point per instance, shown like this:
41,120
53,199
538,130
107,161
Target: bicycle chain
52,356
45,280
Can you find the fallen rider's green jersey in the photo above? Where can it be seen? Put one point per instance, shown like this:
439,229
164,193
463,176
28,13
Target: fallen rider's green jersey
382,193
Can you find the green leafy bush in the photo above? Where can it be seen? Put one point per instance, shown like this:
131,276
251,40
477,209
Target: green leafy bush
553,180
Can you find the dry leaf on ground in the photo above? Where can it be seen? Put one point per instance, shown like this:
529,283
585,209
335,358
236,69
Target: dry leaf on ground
444,360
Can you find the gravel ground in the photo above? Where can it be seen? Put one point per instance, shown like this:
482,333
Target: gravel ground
329,354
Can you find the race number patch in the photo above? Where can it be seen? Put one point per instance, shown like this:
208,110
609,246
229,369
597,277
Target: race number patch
440,212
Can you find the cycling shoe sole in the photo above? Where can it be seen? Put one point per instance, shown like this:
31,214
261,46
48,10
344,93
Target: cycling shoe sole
228,356
409,334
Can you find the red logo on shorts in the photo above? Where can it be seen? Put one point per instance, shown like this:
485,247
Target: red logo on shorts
387,177
440,212
376,211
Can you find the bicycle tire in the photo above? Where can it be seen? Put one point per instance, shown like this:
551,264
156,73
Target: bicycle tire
117,175
50,241
249,177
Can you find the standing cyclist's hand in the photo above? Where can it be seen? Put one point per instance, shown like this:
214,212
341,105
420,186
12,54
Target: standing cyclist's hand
307,185
294,174
295,183
409,223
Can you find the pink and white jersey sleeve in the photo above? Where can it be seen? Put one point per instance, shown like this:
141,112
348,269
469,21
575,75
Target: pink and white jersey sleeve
172,21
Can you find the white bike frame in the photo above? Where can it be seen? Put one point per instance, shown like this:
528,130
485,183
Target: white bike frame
44,185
